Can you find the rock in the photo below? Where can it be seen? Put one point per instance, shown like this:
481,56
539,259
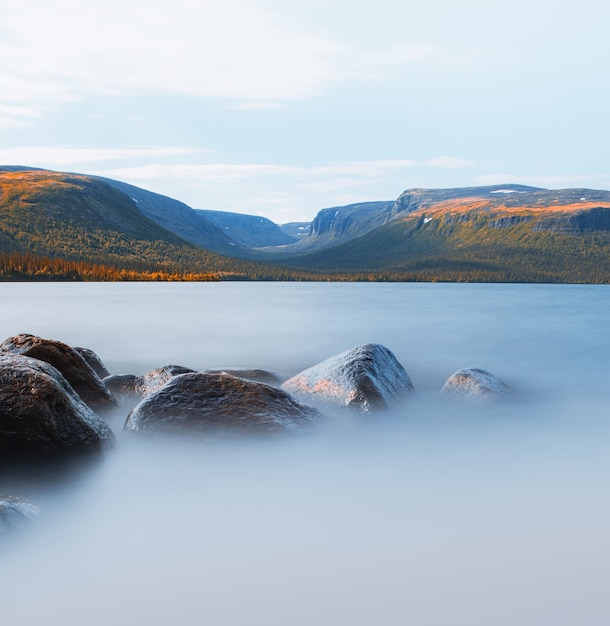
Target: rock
260,376
129,385
40,412
69,362
367,377
155,379
15,513
203,402
476,383
122,385
94,361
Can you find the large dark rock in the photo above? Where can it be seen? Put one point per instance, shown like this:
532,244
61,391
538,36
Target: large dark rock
69,362
94,361
15,513
475,383
367,377
40,412
207,403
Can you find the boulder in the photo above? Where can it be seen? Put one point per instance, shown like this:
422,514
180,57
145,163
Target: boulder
69,362
129,385
475,383
94,361
15,513
367,377
203,402
40,412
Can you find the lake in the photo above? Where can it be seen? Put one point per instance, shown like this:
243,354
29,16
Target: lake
434,513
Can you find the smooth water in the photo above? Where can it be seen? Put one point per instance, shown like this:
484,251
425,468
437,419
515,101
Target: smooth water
433,513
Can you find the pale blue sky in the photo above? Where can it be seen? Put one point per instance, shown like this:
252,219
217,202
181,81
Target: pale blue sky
283,107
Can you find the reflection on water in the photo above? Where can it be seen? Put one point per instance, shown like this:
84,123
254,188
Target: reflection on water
433,513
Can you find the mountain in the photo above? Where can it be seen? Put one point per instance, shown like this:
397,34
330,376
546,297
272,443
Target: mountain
48,216
180,219
74,226
496,233
336,225
250,231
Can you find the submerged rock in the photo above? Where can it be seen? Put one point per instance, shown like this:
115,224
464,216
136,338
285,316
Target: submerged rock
15,513
122,385
129,385
40,412
155,379
260,376
203,402
94,361
367,377
476,383
69,362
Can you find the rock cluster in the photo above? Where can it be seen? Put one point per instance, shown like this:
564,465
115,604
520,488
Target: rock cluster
49,393
41,413
70,362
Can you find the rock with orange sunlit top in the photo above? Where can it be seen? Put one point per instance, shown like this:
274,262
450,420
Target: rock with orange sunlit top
87,384
210,403
367,377
475,383
41,413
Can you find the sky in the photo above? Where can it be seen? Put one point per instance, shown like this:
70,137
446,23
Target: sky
281,108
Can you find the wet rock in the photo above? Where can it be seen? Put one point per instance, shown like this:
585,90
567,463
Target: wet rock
15,513
261,376
475,383
126,386
122,385
41,413
155,379
367,377
203,402
94,361
69,362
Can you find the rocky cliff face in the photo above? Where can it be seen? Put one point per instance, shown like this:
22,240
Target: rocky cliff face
337,225
570,211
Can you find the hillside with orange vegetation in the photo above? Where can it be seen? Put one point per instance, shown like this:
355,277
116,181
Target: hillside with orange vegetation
495,234
62,226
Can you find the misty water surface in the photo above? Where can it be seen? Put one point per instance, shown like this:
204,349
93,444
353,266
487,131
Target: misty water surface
432,513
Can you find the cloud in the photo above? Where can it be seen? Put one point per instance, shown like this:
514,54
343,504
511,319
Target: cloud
62,156
447,162
358,170
53,53
65,49
256,106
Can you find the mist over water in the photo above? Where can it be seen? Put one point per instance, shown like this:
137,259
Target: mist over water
433,513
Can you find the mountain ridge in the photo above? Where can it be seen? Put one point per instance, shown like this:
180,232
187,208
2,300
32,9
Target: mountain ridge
496,232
